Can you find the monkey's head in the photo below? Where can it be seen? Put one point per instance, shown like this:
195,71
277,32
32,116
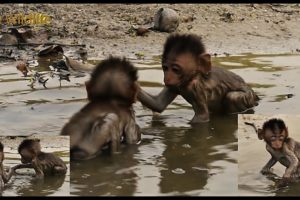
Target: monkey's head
113,79
184,57
1,152
29,149
274,132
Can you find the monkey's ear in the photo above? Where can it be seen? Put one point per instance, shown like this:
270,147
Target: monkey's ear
205,60
260,134
287,132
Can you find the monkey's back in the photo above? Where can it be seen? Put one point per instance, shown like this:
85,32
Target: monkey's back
48,162
220,82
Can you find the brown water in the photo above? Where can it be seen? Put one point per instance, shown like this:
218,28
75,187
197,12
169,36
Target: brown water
173,158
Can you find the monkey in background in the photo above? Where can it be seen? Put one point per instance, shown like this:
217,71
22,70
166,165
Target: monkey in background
108,117
44,164
4,177
282,148
188,72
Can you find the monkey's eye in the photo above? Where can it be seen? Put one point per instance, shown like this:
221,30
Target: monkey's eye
281,137
273,138
176,69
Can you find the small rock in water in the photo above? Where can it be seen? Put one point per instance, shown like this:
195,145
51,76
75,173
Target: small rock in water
186,146
166,20
178,171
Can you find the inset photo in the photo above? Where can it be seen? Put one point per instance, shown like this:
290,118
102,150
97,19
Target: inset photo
269,153
36,165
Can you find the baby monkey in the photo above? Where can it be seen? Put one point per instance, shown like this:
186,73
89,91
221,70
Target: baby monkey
44,164
108,118
282,148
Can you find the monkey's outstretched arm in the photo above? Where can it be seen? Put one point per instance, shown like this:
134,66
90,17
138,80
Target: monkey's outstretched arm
157,103
20,166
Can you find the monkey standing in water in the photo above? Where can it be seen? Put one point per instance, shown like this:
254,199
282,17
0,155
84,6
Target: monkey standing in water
282,148
4,177
188,72
108,117
44,164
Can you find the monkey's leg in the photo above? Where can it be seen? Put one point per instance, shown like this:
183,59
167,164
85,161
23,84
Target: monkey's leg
240,101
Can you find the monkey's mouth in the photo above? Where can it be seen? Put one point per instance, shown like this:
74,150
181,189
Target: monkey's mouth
80,154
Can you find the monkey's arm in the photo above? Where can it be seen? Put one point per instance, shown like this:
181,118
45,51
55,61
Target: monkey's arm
200,105
157,103
37,166
132,132
270,163
288,150
20,166
267,167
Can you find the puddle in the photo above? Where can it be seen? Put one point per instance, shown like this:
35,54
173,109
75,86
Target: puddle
149,166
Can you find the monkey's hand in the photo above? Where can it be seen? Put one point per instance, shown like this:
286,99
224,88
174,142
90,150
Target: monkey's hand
283,182
266,171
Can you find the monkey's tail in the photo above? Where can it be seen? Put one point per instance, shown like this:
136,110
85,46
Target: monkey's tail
253,125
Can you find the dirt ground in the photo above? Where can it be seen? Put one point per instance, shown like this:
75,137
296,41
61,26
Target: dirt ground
225,28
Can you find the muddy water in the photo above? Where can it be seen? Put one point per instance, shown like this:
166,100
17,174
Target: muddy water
174,158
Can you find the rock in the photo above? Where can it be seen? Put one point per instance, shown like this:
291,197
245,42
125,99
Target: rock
166,20
93,22
8,39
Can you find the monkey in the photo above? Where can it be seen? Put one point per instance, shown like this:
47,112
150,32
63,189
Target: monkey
4,176
108,118
282,148
44,164
188,72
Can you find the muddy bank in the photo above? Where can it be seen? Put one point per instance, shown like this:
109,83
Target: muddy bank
231,28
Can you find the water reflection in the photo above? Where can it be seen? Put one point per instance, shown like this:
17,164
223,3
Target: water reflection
158,162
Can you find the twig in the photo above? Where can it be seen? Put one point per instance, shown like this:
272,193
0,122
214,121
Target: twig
38,44
7,57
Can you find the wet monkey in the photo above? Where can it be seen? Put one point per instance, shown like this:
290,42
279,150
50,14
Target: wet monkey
282,148
44,164
188,72
108,117
4,176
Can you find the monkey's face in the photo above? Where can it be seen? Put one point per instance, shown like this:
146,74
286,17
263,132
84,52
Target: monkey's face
178,67
275,140
26,156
